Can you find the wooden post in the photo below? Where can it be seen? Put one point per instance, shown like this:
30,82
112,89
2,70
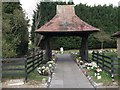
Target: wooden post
97,57
112,68
103,60
93,56
84,48
40,57
33,54
26,74
48,52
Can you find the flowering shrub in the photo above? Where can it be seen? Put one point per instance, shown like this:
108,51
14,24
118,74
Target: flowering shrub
46,69
94,64
98,70
97,73
79,61
91,65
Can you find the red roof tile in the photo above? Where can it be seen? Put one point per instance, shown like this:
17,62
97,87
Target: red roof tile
66,20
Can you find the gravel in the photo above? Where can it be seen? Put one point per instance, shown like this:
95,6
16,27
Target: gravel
19,83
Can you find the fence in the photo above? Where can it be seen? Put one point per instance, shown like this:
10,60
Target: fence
13,67
21,67
109,64
32,62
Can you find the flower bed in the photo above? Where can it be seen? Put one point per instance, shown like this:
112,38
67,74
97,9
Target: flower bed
95,74
46,69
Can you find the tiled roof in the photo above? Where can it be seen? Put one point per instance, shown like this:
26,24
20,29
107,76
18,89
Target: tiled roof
66,20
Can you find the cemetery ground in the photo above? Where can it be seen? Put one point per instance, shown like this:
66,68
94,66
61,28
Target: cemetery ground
33,73
105,79
35,80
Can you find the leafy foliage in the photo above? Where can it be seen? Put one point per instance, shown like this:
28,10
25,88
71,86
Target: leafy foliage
103,17
45,11
15,30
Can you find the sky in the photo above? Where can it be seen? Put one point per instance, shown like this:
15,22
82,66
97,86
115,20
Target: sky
30,5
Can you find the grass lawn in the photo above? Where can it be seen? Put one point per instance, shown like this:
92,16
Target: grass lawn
34,75
106,79
68,51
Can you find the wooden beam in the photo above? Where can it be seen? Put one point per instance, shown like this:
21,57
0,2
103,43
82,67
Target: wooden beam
84,48
48,52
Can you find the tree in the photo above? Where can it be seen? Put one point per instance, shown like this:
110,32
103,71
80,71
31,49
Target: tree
15,30
103,17
102,37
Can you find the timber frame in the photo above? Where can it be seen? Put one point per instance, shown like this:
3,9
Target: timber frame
66,23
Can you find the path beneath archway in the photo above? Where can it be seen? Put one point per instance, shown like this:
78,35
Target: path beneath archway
68,75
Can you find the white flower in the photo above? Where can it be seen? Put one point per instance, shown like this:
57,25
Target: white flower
94,64
88,68
98,74
50,62
79,57
91,67
53,59
86,64
43,67
81,61
98,70
53,54
76,53
95,74
47,68
50,65
77,60
39,71
89,64
98,77
44,80
43,71
39,68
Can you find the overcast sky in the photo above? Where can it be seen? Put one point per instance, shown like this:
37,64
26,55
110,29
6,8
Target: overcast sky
30,5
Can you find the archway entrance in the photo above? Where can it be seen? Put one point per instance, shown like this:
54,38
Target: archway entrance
66,23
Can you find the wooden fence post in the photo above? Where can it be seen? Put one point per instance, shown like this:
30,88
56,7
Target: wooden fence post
26,74
41,56
97,57
33,57
92,56
112,68
38,56
103,60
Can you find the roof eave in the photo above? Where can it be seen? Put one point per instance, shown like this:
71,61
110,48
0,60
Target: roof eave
117,34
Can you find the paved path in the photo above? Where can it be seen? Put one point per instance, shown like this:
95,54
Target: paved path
68,75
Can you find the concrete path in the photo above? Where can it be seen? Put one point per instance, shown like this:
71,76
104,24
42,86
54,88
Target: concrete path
68,75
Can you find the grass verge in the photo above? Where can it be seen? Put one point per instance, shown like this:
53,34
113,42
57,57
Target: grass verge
36,76
105,78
